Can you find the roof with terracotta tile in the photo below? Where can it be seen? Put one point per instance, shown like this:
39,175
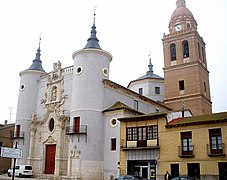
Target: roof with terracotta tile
202,119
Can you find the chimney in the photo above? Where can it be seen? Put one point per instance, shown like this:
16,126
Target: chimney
6,122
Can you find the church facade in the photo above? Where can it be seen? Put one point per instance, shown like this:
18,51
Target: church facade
66,120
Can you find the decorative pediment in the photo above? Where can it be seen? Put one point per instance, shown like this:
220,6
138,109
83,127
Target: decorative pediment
50,140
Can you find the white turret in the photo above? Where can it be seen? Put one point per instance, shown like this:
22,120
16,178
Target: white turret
91,66
27,104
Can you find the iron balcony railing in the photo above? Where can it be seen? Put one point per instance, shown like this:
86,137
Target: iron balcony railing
186,151
17,135
70,130
217,150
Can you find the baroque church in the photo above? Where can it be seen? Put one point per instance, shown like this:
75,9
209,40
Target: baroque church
67,119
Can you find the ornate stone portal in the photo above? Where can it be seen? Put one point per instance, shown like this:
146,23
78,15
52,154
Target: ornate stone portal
41,133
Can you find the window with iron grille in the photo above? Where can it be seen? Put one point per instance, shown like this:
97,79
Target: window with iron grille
186,140
215,141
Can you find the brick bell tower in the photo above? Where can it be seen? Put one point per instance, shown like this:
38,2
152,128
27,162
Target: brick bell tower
185,65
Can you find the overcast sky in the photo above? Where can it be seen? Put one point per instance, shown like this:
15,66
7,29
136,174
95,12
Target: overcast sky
129,29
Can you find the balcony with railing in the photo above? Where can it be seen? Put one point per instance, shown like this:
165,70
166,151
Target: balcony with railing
217,150
139,144
71,130
186,151
17,135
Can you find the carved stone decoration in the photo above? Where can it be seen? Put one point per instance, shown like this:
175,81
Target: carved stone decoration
34,121
39,136
74,153
54,96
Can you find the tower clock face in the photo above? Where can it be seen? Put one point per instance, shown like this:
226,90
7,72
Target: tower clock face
178,27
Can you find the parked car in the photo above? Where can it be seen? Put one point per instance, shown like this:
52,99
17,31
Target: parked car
183,178
119,178
130,177
21,170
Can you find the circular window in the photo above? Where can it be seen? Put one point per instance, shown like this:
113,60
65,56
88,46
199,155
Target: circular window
22,87
51,124
105,71
79,70
113,122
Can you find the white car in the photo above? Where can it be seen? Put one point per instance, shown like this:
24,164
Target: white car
21,170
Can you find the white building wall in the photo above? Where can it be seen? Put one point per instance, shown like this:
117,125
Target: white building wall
148,87
27,100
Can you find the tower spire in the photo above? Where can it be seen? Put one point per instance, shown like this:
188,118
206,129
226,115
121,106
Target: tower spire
93,41
37,63
150,66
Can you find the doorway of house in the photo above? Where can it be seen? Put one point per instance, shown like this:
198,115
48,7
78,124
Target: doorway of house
194,170
50,159
222,166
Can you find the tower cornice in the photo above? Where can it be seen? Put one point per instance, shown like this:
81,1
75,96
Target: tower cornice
92,50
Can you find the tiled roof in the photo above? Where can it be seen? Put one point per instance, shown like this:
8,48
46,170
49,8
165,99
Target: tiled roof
202,119
119,105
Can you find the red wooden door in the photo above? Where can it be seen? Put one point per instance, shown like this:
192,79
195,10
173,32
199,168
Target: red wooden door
18,131
77,124
50,159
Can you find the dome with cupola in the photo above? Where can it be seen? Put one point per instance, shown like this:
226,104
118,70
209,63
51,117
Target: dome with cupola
182,18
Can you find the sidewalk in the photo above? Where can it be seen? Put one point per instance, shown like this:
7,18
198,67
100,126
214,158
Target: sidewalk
5,176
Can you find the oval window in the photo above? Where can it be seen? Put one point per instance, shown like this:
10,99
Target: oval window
22,87
79,70
105,72
51,124
113,122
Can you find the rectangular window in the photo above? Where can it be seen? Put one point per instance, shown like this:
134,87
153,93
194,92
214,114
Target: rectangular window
136,105
134,134
186,141
157,90
181,85
215,141
152,132
141,91
129,134
113,144
142,133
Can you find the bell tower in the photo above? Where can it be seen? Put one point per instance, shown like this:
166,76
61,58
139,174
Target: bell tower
186,77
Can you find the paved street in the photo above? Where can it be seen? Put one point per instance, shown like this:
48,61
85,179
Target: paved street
5,177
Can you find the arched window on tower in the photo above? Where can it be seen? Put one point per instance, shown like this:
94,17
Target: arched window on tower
173,52
185,49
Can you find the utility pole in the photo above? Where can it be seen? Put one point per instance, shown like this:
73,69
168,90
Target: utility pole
10,113
14,163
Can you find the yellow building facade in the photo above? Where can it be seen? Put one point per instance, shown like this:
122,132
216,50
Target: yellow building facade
185,146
